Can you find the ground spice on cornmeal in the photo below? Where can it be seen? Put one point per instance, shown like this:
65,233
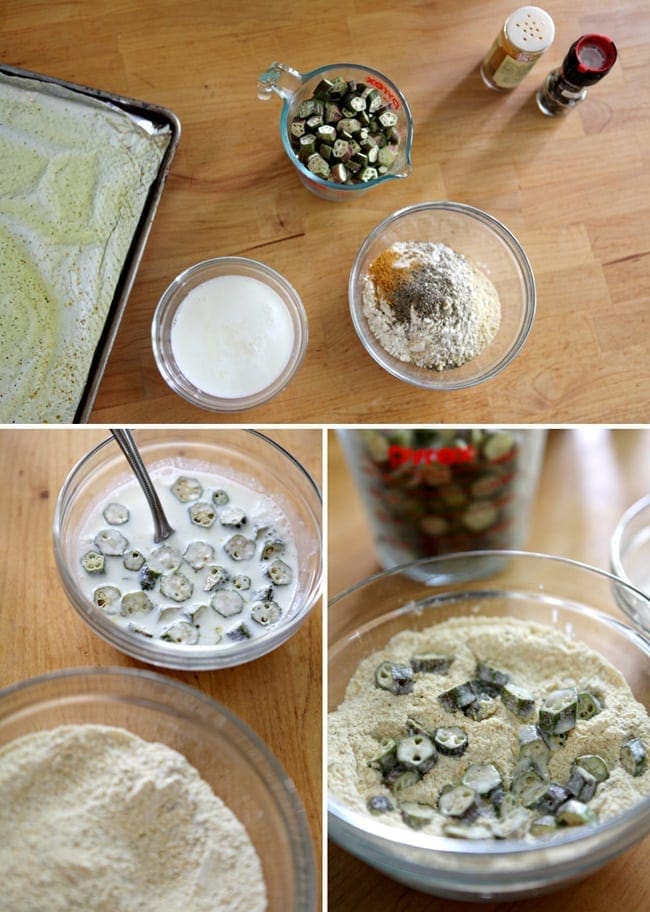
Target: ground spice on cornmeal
429,305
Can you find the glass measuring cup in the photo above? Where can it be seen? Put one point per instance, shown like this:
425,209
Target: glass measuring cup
294,87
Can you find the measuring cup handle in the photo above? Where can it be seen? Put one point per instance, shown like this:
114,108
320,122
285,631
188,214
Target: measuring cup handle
278,78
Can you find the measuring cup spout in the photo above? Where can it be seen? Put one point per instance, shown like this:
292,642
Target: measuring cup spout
278,78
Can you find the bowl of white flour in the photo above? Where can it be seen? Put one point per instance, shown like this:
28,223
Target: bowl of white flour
439,684
160,798
442,295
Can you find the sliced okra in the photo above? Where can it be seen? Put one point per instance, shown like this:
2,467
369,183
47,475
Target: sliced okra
272,548
518,700
310,106
227,602
133,560
504,803
241,581
555,742
279,573
263,594
107,599
135,601
533,747
368,174
387,119
339,174
148,577
483,707
498,445
416,815
418,753
306,146
374,101
462,830
482,778
386,757
232,517
141,631
166,612
557,714
575,813
543,827
479,516
298,128
490,675
181,632
379,804
325,151
177,587
413,727
554,796
529,786
588,705
399,779
430,662
594,765
387,156
193,612
457,697
318,166
239,548
314,122
513,826
323,89
115,514
332,113
451,741
394,677
111,542
266,613
93,562
633,756
202,514
220,497
187,489
165,558
240,633
216,576
326,133
581,784
459,801
198,554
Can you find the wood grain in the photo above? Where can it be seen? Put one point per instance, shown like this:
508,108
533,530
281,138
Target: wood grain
589,477
278,696
574,190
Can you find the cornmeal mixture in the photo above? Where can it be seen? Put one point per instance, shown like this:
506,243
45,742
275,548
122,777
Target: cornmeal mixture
488,728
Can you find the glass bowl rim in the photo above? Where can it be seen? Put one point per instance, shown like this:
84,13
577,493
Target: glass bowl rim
616,555
172,655
180,384
509,240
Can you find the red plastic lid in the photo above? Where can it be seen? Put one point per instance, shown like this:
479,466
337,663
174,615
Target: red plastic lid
595,53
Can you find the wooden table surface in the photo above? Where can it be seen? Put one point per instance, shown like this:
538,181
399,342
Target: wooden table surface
589,477
41,632
575,191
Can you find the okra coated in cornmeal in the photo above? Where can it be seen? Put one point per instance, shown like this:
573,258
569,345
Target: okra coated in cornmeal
227,573
488,728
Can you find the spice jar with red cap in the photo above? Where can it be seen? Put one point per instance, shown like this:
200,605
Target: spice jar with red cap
589,59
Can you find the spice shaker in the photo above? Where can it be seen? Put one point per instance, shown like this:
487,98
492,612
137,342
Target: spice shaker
525,36
437,491
589,59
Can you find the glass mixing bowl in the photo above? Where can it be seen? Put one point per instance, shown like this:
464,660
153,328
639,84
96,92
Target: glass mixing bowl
558,592
630,559
485,241
229,756
243,455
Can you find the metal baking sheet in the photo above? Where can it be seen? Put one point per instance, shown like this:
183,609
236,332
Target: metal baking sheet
152,117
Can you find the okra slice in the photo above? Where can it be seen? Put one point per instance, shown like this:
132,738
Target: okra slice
181,632
165,558
557,714
111,542
595,765
504,803
227,602
198,554
379,804
543,827
386,757
555,742
318,166
148,577
581,784
398,779
279,573
239,548
177,587
202,514
133,560
430,662
323,89
479,516
107,599
483,707
368,174
554,796
416,815
498,445
186,489
306,146
141,631
192,612
240,633
492,676
462,830
518,700
533,747
298,128
417,753
220,497
588,705
115,514
216,576
457,697
339,174
413,727
93,562
241,582
273,548
263,594
266,613
387,119
482,778
529,786
135,601
396,678
232,517
451,741
575,813
633,756
459,801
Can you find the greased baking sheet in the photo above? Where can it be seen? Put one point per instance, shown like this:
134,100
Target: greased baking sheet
74,219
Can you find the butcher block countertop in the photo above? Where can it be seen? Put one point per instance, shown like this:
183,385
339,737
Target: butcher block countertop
574,190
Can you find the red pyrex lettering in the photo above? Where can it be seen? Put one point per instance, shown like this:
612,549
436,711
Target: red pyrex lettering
399,455
391,96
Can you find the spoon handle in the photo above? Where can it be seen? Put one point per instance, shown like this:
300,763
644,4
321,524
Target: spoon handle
124,437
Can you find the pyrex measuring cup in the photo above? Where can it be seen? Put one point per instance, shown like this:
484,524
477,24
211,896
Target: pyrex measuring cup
294,87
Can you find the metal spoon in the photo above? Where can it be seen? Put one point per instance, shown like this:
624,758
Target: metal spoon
124,437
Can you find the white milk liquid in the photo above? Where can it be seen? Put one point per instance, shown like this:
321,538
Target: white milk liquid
264,520
232,336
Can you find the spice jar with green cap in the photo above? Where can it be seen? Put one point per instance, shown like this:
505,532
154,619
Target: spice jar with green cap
525,36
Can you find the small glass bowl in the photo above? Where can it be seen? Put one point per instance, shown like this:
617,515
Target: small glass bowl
630,560
243,455
560,593
173,297
236,764
491,247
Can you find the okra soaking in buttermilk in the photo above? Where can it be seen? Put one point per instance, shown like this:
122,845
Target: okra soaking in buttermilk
488,728
226,574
